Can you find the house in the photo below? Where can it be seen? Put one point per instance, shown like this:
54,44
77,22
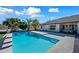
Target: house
3,28
68,24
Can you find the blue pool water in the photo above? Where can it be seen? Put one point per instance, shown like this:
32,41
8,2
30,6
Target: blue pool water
28,42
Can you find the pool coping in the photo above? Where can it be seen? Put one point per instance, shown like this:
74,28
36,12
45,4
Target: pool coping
48,35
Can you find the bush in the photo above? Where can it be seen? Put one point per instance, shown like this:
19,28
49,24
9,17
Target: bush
3,32
23,27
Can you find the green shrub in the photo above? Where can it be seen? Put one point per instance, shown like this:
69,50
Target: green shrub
23,27
3,32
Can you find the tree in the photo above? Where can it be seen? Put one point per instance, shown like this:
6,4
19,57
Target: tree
29,23
23,25
35,24
12,23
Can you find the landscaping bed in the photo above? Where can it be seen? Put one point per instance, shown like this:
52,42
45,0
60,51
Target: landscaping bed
1,38
2,34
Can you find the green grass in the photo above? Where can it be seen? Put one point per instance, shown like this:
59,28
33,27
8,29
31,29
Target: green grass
2,34
1,38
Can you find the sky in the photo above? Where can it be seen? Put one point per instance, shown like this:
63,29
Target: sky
42,13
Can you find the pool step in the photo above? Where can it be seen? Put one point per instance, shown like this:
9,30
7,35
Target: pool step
6,44
7,40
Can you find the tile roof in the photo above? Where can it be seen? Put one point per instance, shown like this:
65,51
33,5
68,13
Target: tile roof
74,18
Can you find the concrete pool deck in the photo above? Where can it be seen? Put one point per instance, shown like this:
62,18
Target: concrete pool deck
7,44
65,45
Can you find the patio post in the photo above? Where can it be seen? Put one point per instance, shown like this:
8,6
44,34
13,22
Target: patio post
58,27
78,28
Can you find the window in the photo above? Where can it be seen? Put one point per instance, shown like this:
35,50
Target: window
52,27
66,25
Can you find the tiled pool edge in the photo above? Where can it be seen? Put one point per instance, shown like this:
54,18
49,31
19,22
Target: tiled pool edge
65,45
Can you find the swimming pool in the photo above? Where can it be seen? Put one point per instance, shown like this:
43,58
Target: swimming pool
29,42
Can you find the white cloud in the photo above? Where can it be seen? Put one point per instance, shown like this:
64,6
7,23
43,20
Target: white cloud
18,13
53,10
3,10
37,15
32,10
6,12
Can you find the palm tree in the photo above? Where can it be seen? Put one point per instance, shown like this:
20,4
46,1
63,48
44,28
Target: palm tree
29,23
36,24
12,23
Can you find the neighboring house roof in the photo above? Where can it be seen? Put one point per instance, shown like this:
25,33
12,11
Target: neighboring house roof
74,18
2,27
